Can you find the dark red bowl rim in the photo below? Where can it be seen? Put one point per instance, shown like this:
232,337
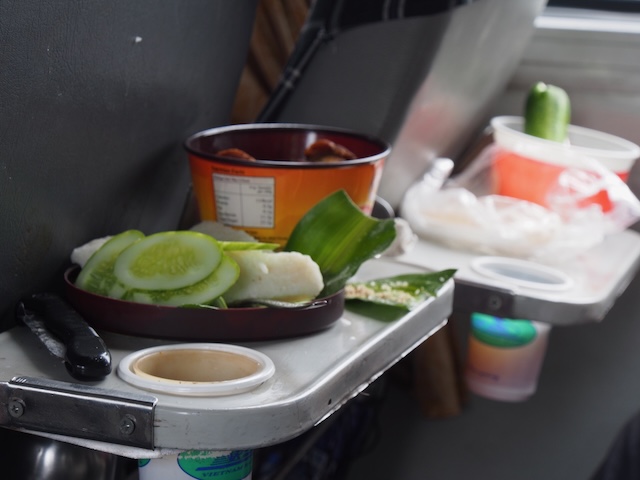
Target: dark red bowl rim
385,148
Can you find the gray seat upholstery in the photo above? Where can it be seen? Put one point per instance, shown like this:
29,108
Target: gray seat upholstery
96,99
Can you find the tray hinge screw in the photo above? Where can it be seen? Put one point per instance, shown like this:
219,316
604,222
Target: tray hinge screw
494,302
16,407
127,424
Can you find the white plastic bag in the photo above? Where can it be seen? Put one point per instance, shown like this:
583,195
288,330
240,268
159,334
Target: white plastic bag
466,214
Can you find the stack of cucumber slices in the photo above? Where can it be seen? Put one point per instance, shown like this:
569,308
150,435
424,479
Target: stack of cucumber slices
167,268
189,268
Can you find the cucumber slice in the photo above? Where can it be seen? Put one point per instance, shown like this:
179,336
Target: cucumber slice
97,274
547,112
168,261
204,292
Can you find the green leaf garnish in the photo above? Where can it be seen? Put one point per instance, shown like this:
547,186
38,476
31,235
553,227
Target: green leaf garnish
401,291
235,245
339,237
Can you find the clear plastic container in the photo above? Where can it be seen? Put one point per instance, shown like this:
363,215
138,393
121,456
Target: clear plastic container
530,168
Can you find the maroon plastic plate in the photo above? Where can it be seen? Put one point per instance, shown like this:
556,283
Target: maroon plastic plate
199,324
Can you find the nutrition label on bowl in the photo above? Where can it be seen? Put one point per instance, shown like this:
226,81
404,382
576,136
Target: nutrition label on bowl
244,201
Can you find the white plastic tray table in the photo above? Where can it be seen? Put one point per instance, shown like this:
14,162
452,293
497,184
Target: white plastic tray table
598,277
314,376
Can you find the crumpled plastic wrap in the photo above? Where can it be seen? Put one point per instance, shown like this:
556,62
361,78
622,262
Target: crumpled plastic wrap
466,213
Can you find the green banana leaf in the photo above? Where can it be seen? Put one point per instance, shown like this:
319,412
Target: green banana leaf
390,298
339,237
404,291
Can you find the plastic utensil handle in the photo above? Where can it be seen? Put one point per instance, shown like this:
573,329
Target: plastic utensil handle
87,356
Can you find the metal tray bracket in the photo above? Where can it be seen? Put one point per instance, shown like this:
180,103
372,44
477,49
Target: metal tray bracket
78,410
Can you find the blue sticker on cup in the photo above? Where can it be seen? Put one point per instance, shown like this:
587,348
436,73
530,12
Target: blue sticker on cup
502,332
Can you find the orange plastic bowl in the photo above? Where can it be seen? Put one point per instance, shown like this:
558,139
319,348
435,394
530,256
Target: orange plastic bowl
268,196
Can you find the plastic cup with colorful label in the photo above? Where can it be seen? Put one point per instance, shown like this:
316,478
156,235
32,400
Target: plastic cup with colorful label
531,168
505,357
199,464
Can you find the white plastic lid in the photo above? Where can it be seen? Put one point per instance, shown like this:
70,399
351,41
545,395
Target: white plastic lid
196,369
522,273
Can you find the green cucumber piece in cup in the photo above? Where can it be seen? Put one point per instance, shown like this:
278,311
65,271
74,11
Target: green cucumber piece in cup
547,112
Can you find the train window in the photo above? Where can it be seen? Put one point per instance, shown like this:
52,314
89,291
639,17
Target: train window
609,5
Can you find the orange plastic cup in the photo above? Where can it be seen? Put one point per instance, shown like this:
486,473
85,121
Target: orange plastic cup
530,168
267,197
